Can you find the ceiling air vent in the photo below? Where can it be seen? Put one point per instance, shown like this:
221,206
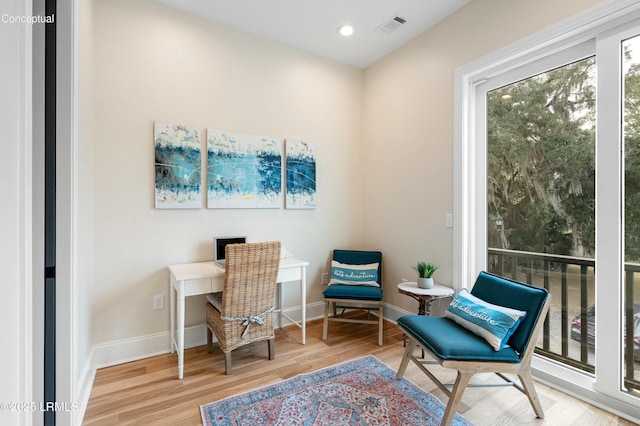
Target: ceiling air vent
391,25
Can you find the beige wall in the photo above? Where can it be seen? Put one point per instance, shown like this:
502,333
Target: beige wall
153,63
384,137
409,130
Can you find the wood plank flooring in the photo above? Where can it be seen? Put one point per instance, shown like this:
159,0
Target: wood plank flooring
148,392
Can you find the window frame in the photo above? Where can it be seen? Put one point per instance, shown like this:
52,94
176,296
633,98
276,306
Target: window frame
589,33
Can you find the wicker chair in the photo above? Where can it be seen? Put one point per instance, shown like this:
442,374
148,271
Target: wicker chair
242,313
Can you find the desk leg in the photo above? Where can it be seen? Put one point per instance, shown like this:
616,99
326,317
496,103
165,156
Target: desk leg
279,303
303,302
181,308
172,299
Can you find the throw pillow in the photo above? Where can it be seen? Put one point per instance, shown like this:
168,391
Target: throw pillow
342,273
492,322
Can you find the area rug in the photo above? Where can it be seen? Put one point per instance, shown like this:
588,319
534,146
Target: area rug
364,391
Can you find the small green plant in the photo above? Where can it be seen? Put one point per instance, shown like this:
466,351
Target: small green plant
425,269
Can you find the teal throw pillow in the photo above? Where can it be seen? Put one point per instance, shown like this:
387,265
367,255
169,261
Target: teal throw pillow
342,273
493,323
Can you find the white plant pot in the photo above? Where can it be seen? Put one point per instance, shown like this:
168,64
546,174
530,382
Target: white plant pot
425,282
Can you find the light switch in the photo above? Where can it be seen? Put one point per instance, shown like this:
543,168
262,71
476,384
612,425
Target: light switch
448,220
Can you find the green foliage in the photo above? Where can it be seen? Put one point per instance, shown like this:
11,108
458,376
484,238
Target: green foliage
632,163
425,269
541,154
541,162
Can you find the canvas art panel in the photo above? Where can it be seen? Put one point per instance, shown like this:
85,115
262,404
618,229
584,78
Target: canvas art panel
243,170
178,166
301,175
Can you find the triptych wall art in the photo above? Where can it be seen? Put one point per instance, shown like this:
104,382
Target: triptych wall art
243,170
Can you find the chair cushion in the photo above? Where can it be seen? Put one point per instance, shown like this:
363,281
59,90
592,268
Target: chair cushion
359,257
355,292
349,274
449,341
216,300
493,323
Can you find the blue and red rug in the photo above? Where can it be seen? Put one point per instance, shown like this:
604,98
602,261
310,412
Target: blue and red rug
361,392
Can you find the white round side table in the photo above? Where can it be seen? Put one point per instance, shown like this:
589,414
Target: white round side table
424,296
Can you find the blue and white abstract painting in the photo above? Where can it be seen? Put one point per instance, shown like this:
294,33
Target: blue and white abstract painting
301,175
243,170
178,166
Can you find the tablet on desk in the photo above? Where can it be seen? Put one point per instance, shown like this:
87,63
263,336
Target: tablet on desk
219,244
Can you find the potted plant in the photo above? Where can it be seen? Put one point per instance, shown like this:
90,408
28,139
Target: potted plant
425,274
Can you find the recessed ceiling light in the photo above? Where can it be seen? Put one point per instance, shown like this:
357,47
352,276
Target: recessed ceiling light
346,30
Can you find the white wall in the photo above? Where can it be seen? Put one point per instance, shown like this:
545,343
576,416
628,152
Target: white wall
153,63
385,172
408,123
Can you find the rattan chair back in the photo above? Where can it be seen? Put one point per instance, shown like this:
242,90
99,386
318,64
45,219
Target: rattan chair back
248,298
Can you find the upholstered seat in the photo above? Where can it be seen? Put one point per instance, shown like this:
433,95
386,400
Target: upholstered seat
341,291
447,340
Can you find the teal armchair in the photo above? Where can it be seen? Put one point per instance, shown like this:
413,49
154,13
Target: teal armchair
356,283
510,315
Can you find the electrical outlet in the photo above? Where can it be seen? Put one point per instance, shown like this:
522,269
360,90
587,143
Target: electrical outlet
325,278
158,301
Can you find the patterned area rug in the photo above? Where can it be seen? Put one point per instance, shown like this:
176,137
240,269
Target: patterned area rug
359,392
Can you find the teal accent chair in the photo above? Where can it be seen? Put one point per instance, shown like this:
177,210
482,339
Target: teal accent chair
453,346
349,297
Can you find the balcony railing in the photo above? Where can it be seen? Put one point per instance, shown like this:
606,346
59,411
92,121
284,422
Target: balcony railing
571,281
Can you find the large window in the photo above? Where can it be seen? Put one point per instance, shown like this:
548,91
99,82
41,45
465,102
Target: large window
541,199
547,169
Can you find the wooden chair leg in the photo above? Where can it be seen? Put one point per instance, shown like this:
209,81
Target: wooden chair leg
325,324
527,383
380,325
227,363
408,349
272,348
209,340
456,396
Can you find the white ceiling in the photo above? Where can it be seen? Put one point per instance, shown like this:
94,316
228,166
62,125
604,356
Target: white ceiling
311,25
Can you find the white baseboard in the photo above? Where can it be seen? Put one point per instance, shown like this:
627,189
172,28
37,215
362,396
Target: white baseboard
135,348
84,386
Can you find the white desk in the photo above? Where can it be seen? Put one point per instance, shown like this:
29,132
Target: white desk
191,279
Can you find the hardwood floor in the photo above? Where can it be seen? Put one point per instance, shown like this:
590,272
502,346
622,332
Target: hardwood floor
148,392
